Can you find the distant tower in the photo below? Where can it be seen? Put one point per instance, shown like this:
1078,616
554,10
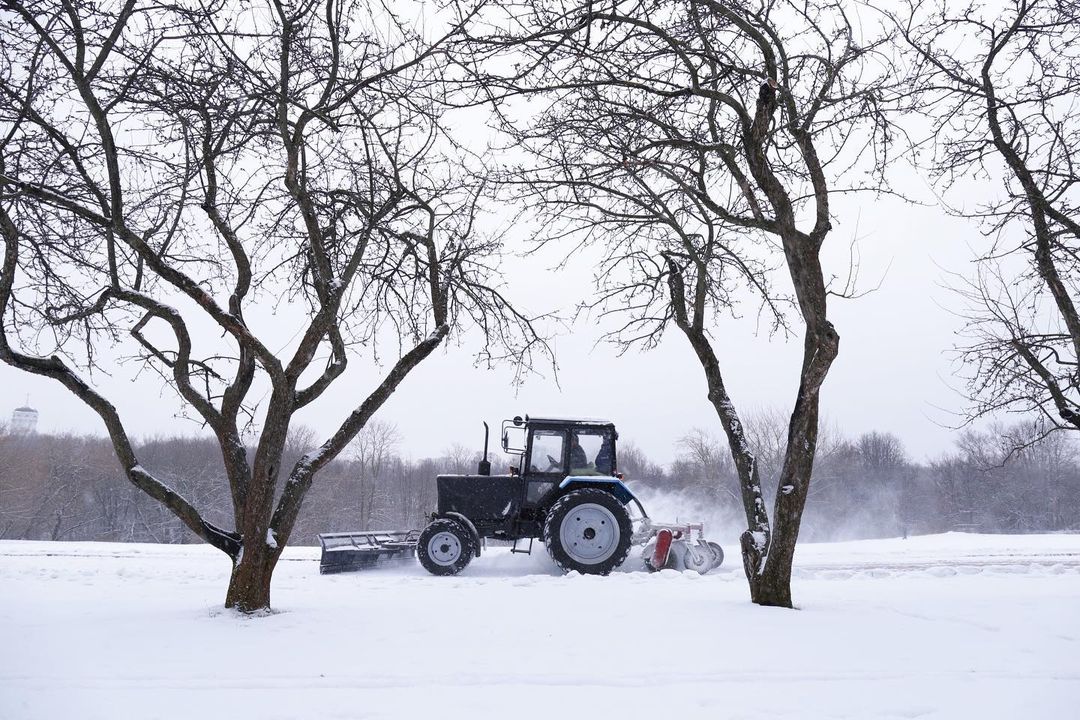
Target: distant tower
24,420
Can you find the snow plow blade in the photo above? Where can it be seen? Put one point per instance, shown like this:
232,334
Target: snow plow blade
350,551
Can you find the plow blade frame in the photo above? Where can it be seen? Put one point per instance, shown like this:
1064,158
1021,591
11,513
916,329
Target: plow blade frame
363,550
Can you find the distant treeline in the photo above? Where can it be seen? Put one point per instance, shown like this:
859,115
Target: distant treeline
1010,479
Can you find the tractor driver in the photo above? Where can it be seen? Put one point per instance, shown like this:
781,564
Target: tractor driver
604,457
578,459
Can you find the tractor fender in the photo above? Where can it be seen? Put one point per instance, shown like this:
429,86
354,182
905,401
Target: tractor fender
612,485
469,525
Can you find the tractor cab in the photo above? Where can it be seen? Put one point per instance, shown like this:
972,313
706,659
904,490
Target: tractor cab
550,450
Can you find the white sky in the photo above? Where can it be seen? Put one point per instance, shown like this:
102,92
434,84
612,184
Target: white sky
893,372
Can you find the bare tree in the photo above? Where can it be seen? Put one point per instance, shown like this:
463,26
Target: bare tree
699,145
712,460
372,454
1008,478
165,170
15,483
1001,84
766,431
881,452
458,459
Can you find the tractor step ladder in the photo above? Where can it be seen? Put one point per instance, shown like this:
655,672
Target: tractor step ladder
526,551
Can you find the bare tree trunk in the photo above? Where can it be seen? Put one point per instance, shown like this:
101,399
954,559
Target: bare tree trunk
249,583
768,550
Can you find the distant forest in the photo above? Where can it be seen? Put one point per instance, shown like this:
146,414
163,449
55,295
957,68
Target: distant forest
1007,479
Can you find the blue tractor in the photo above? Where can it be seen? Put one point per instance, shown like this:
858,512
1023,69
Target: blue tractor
565,489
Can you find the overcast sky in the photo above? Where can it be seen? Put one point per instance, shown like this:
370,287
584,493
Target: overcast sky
894,372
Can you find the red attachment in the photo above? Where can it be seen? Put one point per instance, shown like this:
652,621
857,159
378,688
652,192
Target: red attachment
663,547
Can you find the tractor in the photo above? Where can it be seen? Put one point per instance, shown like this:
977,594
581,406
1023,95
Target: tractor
565,489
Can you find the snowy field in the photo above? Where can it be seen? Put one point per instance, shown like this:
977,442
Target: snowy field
948,626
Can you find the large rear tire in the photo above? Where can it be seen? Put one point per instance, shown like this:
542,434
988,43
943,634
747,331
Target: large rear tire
589,531
445,547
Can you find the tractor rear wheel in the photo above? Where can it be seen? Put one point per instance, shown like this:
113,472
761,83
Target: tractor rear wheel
445,547
589,531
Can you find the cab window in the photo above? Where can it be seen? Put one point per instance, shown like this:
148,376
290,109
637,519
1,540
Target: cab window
590,453
547,451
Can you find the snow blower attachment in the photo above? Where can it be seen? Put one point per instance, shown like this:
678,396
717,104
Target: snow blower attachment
672,547
564,489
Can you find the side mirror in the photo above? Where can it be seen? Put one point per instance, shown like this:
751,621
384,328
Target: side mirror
514,444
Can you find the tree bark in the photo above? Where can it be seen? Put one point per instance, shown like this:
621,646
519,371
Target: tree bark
249,584
772,586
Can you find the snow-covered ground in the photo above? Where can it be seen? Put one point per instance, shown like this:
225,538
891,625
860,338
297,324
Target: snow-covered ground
947,626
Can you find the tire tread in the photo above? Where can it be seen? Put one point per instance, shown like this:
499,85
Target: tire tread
578,497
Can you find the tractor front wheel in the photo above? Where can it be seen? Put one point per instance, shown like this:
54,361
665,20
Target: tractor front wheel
589,531
445,547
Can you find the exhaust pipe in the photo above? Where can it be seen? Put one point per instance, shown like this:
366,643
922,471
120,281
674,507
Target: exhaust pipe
484,467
